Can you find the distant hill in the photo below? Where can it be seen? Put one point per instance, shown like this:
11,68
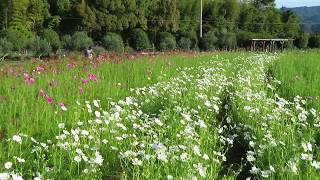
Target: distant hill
310,17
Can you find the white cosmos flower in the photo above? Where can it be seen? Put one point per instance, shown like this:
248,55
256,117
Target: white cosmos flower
61,125
196,150
216,108
315,164
184,156
104,141
98,114
20,160
266,173
254,170
136,162
201,169
292,166
4,176
158,121
187,117
16,177
99,159
8,165
77,159
17,139
307,157
170,177
64,108
272,169
96,103
307,147
205,157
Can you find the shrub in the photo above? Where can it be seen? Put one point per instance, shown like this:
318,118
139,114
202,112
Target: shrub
52,38
302,41
140,40
80,41
167,41
128,50
314,41
5,46
66,42
113,42
98,50
185,43
18,36
38,46
209,41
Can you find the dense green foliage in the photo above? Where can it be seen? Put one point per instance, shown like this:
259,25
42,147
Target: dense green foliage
167,41
185,43
52,38
113,42
140,40
39,46
80,41
314,41
233,22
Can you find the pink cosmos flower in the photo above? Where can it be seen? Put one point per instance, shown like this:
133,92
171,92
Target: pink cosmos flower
81,89
48,98
63,107
42,92
84,81
40,68
71,65
29,80
93,77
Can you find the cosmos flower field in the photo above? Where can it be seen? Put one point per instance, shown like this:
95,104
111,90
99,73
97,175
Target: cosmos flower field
179,116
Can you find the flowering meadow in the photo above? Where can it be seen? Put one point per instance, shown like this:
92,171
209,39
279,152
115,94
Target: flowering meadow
183,116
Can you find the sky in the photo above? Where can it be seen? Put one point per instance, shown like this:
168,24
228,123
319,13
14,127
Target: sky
297,3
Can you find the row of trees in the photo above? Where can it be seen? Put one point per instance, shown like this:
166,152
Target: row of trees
140,24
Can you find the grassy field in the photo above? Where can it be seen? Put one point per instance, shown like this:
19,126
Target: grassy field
299,73
183,116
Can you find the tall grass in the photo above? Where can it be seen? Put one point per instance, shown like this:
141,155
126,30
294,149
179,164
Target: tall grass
24,109
172,117
299,73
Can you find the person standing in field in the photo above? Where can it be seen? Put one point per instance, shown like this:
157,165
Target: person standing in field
89,53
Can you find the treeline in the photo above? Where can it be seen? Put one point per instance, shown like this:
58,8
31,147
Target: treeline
45,26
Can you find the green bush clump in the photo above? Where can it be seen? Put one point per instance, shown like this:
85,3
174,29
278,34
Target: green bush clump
301,41
128,50
66,42
140,40
18,36
185,43
5,46
39,47
113,42
167,42
209,41
226,39
314,41
80,41
52,38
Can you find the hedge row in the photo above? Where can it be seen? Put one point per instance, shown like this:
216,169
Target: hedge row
48,41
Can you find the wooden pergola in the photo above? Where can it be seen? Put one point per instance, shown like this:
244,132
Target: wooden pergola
268,45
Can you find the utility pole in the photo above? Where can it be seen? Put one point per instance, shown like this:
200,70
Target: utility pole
201,20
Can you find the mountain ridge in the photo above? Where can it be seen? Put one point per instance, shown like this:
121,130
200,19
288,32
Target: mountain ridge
309,17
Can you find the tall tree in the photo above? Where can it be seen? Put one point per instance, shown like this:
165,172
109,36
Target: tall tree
165,15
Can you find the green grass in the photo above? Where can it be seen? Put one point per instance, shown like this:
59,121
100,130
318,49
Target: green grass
25,111
210,116
299,73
